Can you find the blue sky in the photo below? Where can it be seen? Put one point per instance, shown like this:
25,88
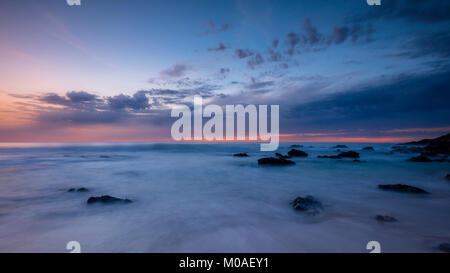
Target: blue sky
299,54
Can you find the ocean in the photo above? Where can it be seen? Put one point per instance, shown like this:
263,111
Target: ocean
199,198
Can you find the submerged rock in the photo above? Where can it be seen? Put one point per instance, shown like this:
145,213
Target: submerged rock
420,158
340,146
241,155
368,148
78,190
106,199
282,156
385,218
296,146
295,152
401,188
350,154
308,204
275,161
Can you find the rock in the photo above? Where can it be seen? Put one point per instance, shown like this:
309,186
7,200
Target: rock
440,145
104,156
295,152
296,146
78,190
368,148
282,156
418,143
328,156
444,247
275,161
340,146
447,176
401,188
385,218
106,199
420,158
241,155
308,204
350,154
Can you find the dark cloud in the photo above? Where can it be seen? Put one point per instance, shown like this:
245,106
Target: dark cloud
243,53
259,85
340,34
407,101
255,60
430,44
73,99
80,96
292,40
212,29
175,71
311,35
139,101
410,10
220,47
224,70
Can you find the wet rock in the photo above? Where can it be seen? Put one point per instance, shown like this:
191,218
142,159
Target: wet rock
328,156
275,161
282,156
385,218
296,146
340,146
368,148
401,188
420,158
447,176
241,155
106,199
440,145
350,154
295,152
444,247
307,204
77,190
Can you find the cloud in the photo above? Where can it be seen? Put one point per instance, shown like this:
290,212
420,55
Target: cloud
175,71
212,29
255,60
220,47
435,44
139,101
243,53
311,36
259,85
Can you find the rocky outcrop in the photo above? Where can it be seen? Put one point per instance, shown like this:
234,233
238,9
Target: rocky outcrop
307,204
296,146
385,218
420,158
340,146
349,154
448,176
368,148
295,153
402,188
273,161
106,199
241,155
78,190
282,156
432,147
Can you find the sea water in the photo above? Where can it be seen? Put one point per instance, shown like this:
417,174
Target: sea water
199,198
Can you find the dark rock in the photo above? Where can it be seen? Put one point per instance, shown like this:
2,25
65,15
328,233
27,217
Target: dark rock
420,158
444,247
368,148
241,155
329,156
275,161
340,146
296,146
350,154
104,156
282,156
407,150
418,143
401,188
106,199
448,176
440,145
83,189
308,204
385,218
295,152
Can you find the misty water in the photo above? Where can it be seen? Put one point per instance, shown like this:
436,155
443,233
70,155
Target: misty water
199,198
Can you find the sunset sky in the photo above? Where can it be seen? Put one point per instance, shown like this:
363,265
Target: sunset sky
110,71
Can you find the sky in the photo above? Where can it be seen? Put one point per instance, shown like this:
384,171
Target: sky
110,71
